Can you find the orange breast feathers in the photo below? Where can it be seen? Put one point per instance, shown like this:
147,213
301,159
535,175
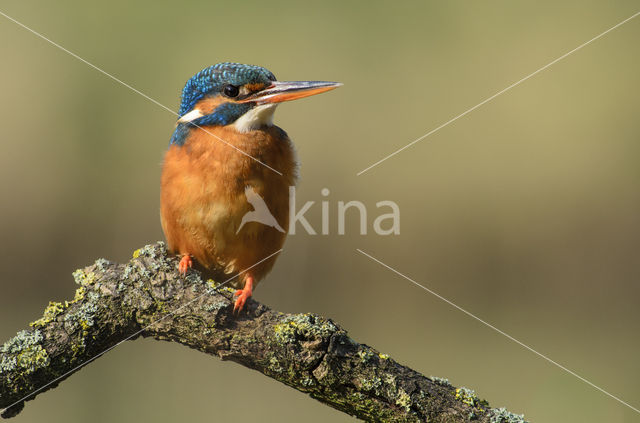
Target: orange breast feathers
208,187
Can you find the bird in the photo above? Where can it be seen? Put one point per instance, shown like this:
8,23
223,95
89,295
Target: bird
226,159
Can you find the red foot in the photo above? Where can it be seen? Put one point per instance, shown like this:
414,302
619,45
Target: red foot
243,294
185,264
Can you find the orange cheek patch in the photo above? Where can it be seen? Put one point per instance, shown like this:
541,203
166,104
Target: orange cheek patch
255,87
208,105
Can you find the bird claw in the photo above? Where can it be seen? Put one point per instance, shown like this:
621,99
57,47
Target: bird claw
240,301
243,295
185,264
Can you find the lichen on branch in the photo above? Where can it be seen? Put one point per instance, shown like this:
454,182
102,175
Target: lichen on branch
147,297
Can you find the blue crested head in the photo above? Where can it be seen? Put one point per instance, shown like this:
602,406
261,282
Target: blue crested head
234,93
212,80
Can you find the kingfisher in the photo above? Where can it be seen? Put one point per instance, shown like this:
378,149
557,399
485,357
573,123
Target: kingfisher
225,154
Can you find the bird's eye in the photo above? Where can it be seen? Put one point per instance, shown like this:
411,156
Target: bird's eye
231,90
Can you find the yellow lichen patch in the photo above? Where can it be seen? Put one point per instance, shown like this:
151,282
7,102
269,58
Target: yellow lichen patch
83,278
79,296
371,384
33,359
50,313
285,332
365,355
403,400
275,366
383,356
469,397
25,352
136,253
219,287
77,349
80,293
161,307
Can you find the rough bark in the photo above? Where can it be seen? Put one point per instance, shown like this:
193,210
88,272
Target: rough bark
147,297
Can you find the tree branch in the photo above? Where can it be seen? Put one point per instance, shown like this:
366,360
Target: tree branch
146,297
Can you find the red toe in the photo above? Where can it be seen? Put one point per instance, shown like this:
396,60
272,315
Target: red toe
185,264
243,295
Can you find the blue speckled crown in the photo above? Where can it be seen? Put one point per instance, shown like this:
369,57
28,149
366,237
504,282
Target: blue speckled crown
213,78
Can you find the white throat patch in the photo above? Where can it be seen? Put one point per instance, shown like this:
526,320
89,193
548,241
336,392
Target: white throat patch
255,118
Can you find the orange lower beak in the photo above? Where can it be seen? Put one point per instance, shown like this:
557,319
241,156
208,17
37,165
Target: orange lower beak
281,91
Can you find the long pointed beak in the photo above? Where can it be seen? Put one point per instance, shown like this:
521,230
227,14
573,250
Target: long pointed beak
281,91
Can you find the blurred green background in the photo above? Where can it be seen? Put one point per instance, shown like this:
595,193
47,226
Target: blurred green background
524,212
